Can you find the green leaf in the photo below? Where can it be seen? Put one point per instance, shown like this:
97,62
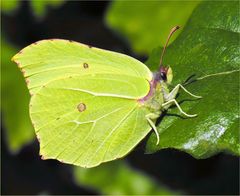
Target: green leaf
208,44
124,180
146,24
15,99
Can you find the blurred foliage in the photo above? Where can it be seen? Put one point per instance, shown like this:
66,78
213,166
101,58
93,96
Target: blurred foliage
9,5
117,178
39,7
204,48
146,24
15,99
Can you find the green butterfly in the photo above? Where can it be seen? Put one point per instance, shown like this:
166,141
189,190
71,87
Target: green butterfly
90,106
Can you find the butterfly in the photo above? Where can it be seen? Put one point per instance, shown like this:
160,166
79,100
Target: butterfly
89,105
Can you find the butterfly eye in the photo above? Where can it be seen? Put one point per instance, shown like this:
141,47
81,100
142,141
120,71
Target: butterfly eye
163,76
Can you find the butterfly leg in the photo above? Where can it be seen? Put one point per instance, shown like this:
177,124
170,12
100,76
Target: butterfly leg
173,101
152,124
174,92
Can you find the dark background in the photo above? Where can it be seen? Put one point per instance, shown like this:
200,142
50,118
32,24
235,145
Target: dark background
26,173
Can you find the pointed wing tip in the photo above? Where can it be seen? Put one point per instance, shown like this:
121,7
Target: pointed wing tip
21,52
13,59
16,56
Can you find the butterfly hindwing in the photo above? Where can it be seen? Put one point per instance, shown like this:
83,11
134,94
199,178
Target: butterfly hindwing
108,124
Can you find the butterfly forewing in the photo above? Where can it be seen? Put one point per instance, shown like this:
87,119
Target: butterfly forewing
48,60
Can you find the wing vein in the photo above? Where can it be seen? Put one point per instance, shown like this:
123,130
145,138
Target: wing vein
114,139
102,143
99,94
133,131
69,113
66,146
91,132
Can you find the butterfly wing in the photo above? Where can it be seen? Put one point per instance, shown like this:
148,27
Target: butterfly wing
90,114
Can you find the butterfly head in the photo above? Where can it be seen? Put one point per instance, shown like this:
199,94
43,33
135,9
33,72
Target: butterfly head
166,74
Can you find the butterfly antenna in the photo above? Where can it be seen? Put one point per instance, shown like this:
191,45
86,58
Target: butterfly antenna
174,29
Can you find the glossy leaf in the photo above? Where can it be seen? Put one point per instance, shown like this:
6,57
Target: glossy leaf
208,44
146,24
15,99
117,178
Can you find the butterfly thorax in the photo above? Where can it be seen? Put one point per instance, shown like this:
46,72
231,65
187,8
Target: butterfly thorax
154,103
